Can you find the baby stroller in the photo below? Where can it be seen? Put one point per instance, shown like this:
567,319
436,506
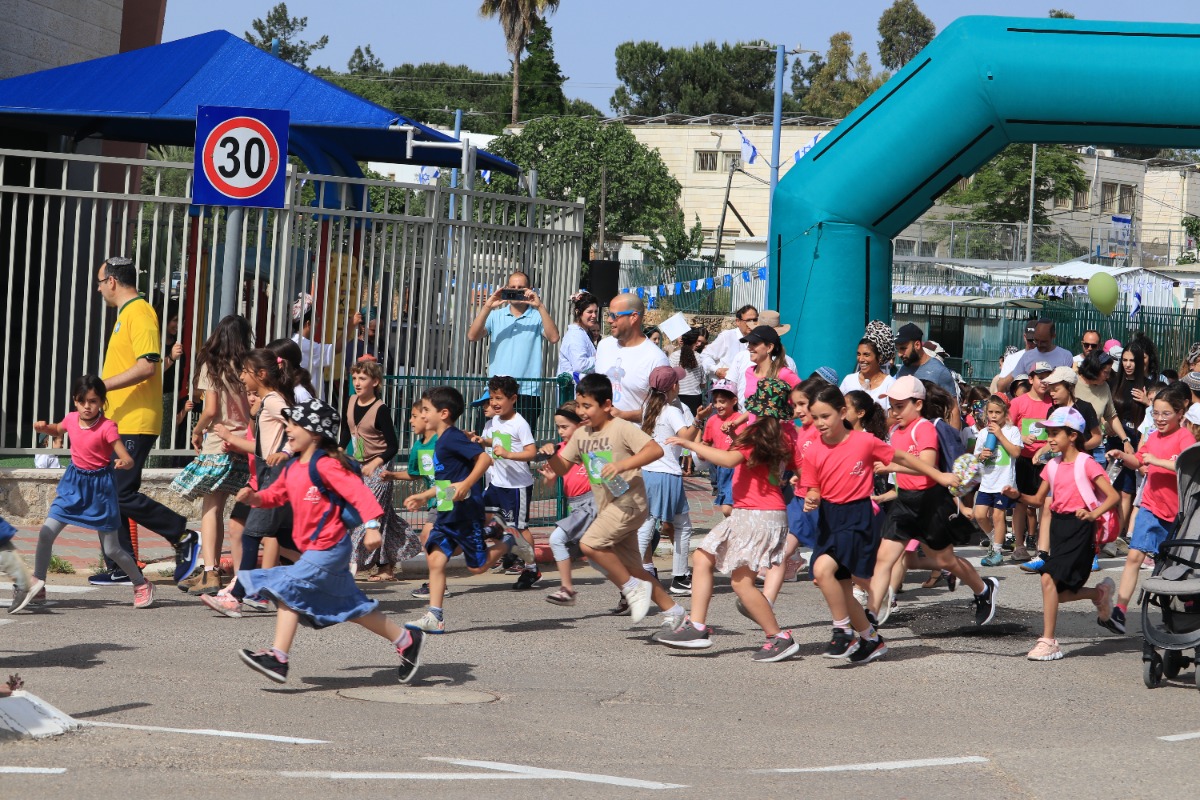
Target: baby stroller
1171,596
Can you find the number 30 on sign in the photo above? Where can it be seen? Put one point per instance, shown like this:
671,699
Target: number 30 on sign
241,157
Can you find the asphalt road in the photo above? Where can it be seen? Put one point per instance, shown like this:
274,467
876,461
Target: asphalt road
575,690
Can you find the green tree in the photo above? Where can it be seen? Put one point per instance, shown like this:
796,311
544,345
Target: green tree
843,82
542,78
703,79
903,32
516,19
278,25
674,242
999,191
569,154
640,69
802,77
364,62
1058,13
582,108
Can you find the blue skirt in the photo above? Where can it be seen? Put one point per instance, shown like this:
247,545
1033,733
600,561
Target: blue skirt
665,495
847,533
318,587
802,524
87,498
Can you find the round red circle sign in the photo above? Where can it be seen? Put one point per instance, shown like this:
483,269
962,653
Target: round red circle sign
241,157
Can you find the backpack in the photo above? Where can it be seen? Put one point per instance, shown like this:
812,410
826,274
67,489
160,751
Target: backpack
950,444
1108,525
348,513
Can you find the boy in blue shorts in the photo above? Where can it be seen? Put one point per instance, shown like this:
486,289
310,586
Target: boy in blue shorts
458,465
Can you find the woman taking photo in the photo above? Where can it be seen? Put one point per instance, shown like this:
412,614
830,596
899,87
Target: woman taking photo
874,356
577,352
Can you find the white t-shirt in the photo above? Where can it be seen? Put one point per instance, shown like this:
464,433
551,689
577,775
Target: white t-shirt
851,383
1001,469
1010,363
672,419
629,370
315,357
513,435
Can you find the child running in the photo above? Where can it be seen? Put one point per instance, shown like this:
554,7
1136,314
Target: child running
753,537
420,471
564,540
614,450
1027,412
318,589
87,493
1160,499
838,476
997,450
1074,512
725,405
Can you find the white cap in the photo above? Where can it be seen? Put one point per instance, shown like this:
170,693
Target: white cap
1193,414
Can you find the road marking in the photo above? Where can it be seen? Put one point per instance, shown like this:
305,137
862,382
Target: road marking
266,737
32,770
558,774
1181,737
889,765
6,621
410,776
66,589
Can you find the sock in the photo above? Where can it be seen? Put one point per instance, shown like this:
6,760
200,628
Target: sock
869,634
782,635
987,587
404,641
1122,607
675,611
699,626
843,624
437,612
630,584
1043,554
280,656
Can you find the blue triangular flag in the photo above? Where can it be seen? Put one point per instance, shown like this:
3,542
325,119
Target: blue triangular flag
708,283
762,273
726,280
746,276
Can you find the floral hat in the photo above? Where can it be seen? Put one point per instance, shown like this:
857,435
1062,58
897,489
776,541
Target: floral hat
770,399
316,417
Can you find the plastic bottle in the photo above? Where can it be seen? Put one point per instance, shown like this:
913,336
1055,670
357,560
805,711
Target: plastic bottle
616,485
990,442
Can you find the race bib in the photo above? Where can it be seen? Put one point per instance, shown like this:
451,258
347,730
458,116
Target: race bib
1034,428
594,462
502,440
444,497
425,464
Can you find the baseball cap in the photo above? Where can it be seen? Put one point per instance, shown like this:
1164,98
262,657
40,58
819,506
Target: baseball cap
1041,366
1113,348
1030,331
1193,414
1065,418
721,385
663,378
763,333
907,388
1061,375
909,333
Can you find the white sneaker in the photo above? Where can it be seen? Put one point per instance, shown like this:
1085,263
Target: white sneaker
639,601
861,597
885,608
23,598
670,623
428,623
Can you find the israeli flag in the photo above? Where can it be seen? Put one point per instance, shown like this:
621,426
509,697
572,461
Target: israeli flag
486,174
749,151
425,178
1137,304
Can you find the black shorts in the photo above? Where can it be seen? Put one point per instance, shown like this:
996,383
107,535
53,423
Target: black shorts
1029,475
921,514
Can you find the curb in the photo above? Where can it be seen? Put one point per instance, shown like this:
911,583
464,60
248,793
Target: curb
27,716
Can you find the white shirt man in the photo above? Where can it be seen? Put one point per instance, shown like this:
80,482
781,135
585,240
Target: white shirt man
717,358
627,357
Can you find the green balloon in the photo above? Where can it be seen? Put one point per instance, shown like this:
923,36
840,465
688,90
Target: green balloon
1103,292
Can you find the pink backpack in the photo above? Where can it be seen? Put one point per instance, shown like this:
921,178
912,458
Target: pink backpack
1108,526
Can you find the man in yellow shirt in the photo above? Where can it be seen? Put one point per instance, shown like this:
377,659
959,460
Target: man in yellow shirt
133,375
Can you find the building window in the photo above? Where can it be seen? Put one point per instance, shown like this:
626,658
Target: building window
1083,198
731,161
1061,202
706,161
1125,200
1108,198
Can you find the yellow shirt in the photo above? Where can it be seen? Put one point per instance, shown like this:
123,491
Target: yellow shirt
136,409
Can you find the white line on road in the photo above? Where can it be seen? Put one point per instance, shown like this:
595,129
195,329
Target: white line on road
1181,737
410,776
538,772
266,737
888,765
67,589
32,770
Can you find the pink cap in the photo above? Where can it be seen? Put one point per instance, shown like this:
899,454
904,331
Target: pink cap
663,378
907,388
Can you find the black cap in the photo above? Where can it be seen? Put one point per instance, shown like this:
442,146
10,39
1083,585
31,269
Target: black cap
909,333
1030,331
763,333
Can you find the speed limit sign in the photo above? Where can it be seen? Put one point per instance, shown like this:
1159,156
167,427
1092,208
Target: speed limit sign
241,157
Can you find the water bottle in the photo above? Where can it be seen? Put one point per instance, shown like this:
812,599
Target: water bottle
616,485
990,442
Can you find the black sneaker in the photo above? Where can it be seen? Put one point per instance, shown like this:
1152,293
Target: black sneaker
422,592
1115,622
114,578
516,567
951,579
840,644
527,580
868,650
622,609
985,604
871,618
681,587
264,661
410,657
1008,544
187,553
503,565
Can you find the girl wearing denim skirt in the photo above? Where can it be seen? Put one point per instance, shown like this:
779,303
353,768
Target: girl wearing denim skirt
87,493
217,471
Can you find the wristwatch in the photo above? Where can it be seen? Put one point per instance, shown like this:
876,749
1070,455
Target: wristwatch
371,523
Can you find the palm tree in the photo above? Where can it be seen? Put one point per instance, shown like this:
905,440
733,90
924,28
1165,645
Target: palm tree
516,18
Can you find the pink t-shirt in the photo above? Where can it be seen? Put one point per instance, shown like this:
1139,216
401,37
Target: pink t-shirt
575,480
713,433
785,374
755,487
308,504
1067,499
915,439
1027,406
804,440
1161,495
91,448
844,472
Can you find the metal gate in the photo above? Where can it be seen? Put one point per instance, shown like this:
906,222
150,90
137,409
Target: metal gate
417,260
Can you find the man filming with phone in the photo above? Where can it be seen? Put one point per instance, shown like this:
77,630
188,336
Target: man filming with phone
516,321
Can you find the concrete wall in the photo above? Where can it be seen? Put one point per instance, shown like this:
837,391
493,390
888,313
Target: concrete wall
41,34
26,494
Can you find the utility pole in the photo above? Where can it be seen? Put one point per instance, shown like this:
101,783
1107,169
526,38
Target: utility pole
724,207
1032,194
603,200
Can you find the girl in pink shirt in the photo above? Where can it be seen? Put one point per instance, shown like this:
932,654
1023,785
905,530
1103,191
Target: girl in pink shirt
1072,527
317,590
87,493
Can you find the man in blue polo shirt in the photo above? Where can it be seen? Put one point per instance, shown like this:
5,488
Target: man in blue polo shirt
516,331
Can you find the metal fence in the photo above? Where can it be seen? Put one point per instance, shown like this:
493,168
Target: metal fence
417,259
1172,331
720,300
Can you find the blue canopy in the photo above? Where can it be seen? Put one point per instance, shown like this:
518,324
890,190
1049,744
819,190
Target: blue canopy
151,95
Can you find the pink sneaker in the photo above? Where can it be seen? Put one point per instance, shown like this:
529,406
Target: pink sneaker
143,596
1104,599
1045,650
223,604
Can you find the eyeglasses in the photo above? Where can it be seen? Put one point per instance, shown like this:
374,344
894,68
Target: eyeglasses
612,315
1162,414
750,321
101,281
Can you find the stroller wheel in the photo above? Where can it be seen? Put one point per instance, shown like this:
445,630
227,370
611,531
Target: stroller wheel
1152,670
1173,662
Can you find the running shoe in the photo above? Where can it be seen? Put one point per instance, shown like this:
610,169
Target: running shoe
1121,545
887,606
951,579
562,597
1009,544
23,598
410,656
994,558
681,587
1148,563
985,604
223,604
777,648
516,567
1034,565
1115,621
622,609
187,553
841,644
527,579
685,638
264,661
422,591
143,596
869,650
639,601
862,597
1045,650
1096,563
428,624
671,622
1019,556
256,603
113,578
1104,601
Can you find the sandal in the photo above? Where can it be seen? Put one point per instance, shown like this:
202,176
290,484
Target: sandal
933,580
562,597
380,577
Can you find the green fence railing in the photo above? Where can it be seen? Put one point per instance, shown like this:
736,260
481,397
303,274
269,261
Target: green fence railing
1172,330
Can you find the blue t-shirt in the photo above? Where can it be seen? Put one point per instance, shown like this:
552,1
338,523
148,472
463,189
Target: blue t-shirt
933,371
516,346
453,459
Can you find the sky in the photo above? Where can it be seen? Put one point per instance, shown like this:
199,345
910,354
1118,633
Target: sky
587,32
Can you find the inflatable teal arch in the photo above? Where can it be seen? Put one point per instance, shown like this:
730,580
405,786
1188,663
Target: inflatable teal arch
982,83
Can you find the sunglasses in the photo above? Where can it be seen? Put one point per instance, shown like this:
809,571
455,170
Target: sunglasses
612,315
